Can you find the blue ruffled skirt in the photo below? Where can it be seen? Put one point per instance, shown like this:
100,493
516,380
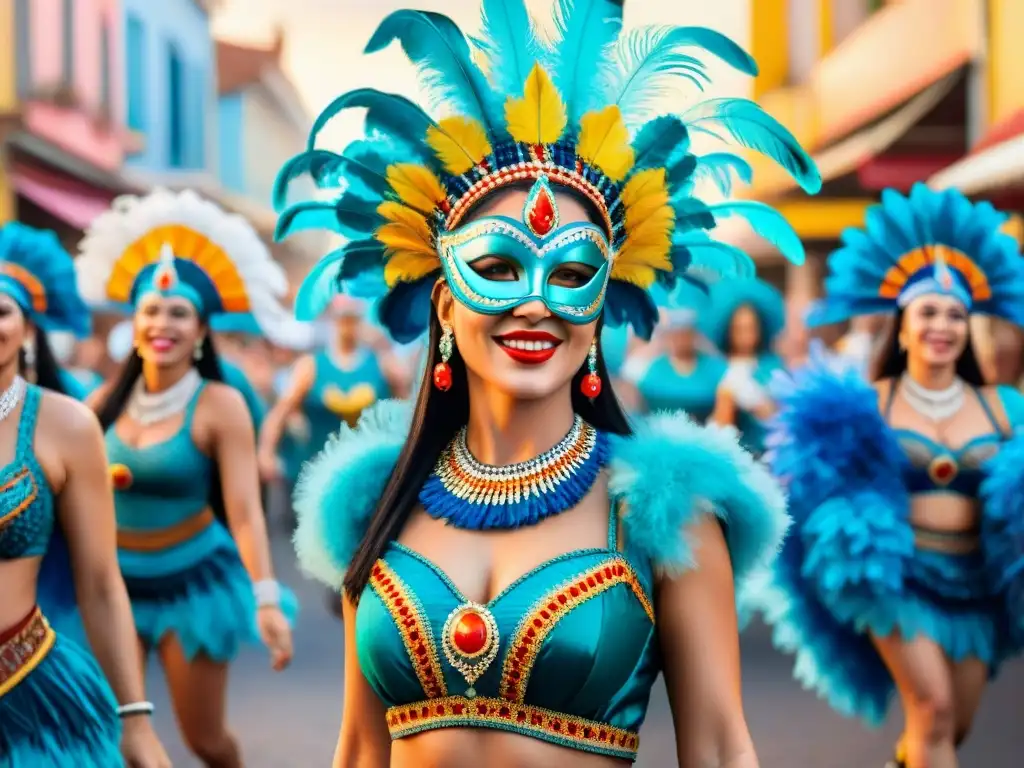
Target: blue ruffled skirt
62,713
207,602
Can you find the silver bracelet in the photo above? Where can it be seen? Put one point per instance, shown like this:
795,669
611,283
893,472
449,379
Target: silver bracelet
267,593
135,708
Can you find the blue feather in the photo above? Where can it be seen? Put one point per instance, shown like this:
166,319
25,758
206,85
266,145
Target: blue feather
752,127
349,215
647,60
691,214
720,167
766,222
680,173
364,170
509,41
628,303
361,256
584,30
658,141
405,309
714,258
437,46
324,281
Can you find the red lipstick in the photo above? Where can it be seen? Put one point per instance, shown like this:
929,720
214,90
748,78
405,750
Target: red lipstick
528,347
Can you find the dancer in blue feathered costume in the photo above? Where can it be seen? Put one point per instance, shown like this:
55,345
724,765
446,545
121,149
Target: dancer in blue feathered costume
685,371
746,318
56,706
514,553
905,569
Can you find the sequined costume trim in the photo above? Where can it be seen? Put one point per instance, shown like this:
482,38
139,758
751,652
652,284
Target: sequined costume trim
416,633
22,649
570,731
24,503
549,610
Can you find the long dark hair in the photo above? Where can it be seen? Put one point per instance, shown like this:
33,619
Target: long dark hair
112,406
436,418
894,362
45,367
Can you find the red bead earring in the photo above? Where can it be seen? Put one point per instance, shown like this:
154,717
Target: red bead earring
590,386
443,371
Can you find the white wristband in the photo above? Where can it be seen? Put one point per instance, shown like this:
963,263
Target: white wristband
267,592
135,708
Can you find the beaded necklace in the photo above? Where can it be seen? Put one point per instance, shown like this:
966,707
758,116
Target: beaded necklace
476,496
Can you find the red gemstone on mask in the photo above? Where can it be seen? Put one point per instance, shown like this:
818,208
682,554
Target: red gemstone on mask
591,385
470,633
443,376
541,216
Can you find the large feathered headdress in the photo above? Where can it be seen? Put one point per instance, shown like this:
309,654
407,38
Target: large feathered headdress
929,242
39,275
574,109
180,242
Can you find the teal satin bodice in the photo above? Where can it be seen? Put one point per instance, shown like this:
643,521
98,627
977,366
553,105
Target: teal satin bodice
341,394
576,656
664,388
26,501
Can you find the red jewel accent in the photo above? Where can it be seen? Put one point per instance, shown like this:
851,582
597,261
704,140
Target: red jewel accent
541,217
591,385
470,633
443,376
943,470
163,282
120,476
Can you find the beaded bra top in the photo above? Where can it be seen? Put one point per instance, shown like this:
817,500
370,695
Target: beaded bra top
26,501
567,653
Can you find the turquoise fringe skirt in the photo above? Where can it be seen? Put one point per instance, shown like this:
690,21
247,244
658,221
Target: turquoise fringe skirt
62,713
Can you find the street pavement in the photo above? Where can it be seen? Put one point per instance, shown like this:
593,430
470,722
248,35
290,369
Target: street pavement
290,719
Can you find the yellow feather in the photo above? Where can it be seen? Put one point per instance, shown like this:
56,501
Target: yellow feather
415,186
412,220
539,117
649,220
459,143
409,266
636,274
398,237
604,142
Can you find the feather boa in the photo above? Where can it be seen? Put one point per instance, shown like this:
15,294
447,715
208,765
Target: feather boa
668,473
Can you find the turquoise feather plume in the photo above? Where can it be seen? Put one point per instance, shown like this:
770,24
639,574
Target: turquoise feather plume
647,62
324,282
349,215
361,256
437,46
691,213
767,223
720,167
679,174
711,258
584,31
658,141
509,41
363,168
752,127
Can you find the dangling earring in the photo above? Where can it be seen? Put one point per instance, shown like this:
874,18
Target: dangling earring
443,371
30,353
197,351
591,384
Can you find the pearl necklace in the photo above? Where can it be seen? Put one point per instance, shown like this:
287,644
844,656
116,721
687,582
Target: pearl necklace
150,407
936,405
11,396
469,494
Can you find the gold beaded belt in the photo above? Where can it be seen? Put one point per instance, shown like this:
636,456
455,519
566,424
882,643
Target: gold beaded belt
22,647
165,538
482,712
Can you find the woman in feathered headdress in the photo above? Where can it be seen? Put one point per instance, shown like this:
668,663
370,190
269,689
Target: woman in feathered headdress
56,707
685,369
906,571
513,554
190,527
746,319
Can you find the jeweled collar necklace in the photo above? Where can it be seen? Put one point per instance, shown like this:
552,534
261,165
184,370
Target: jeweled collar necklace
468,494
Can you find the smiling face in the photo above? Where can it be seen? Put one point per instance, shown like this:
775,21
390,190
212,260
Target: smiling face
167,330
14,329
935,330
527,352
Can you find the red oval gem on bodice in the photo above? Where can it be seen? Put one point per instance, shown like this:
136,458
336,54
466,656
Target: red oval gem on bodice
944,470
470,633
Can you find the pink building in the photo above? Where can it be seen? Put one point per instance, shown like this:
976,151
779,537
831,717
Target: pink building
63,160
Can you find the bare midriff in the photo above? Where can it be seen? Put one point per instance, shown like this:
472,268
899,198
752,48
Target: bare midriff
474,747
18,596
945,522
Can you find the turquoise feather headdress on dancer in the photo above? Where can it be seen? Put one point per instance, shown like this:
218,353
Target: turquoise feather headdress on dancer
929,242
573,111
728,296
39,274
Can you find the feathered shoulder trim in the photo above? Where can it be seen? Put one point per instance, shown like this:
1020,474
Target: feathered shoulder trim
337,492
671,471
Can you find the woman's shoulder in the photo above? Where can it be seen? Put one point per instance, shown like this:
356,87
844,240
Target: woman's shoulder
671,472
65,416
338,491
